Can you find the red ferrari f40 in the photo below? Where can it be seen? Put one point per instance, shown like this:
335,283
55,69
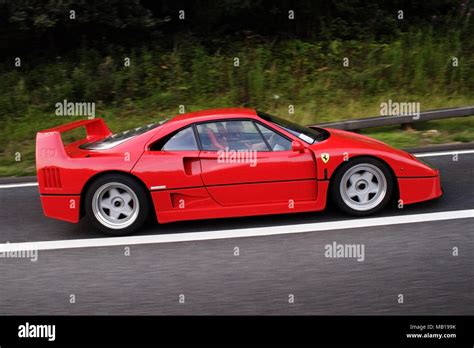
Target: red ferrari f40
220,163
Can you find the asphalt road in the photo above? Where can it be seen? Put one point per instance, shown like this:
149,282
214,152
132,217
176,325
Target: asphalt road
414,260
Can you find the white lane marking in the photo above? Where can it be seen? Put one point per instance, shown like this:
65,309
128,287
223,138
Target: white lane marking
425,154
442,153
237,233
25,184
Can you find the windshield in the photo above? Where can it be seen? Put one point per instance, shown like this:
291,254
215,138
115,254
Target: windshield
118,138
308,135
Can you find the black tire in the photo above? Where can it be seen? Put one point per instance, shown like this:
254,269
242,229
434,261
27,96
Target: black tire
125,186
347,204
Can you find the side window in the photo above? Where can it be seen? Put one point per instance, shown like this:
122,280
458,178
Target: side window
181,141
235,135
276,141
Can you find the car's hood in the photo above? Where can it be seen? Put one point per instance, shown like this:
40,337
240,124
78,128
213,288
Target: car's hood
365,141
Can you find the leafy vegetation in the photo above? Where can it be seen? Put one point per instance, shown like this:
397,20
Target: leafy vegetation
235,53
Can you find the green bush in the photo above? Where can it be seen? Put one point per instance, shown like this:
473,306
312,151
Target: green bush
414,66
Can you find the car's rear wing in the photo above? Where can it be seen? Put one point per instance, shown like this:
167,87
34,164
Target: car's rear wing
50,145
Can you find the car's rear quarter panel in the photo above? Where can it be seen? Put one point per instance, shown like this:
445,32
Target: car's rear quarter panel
64,171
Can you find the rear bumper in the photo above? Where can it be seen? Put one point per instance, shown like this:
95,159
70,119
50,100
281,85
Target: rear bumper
61,207
413,190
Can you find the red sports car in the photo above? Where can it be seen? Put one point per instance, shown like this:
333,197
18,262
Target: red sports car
220,163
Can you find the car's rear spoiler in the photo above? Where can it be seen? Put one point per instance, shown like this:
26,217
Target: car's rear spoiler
50,145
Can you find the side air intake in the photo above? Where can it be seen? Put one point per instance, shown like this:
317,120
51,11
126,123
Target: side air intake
51,178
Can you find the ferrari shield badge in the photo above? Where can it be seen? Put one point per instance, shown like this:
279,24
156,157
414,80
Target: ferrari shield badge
325,157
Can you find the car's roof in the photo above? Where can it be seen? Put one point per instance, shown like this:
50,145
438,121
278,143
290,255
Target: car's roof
213,113
209,115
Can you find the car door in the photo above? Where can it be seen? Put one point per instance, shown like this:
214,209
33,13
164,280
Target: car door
239,167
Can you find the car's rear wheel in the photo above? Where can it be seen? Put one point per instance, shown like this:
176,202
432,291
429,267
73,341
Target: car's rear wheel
116,204
362,186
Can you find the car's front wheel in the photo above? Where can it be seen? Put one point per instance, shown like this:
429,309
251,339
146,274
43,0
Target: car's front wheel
116,204
362,186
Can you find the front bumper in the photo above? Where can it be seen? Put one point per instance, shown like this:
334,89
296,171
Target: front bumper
413,190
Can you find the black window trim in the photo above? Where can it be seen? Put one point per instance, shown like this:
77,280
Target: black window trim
261,134
196,135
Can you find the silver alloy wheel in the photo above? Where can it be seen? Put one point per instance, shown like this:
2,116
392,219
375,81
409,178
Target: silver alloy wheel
363,187
115,205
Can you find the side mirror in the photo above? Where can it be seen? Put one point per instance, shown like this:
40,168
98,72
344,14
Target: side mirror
297,146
